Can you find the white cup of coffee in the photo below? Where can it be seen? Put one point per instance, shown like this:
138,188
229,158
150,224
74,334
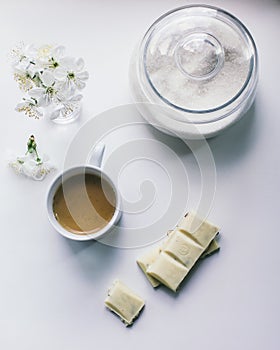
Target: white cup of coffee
83,203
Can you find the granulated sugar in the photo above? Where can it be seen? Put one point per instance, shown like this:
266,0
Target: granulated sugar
201,69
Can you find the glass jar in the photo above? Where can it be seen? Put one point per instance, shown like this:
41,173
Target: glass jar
66,112
195,72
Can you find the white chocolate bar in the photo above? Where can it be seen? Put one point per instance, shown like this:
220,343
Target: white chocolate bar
124,302
149,257
146,260
192,239
201,231
183,248
168,271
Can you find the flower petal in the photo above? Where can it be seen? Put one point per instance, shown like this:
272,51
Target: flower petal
80,84
80,64
82,75
36,93
60,73
39,173
20,105
68,63
47,78
27,168
30,51
58,51
76,98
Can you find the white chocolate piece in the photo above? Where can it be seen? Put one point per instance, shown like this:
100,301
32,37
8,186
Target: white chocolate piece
168,271
201,231
145,261
183,248
149,257
124,302
212,248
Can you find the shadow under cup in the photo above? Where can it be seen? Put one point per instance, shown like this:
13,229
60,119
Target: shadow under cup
83,203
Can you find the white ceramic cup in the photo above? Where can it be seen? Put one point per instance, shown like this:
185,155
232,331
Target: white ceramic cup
95,169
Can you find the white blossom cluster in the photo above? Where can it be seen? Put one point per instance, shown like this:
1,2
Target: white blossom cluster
29,166
47,77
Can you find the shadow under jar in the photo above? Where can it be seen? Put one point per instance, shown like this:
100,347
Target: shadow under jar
195,72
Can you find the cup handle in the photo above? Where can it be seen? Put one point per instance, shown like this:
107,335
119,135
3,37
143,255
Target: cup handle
97,155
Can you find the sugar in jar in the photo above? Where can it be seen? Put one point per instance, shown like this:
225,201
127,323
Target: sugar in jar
195,72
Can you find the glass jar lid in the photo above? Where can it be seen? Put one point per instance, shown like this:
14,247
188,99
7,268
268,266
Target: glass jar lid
198,59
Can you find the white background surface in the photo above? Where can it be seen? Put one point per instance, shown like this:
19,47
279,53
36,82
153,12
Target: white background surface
52,289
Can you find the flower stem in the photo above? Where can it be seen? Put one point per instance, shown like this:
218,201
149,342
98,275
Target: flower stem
32,147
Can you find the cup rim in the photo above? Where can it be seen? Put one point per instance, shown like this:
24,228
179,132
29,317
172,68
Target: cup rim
49,204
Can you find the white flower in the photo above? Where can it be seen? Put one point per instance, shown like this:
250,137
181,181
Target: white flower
30,167
30,107
44,52
17,164
50,57
49,91
36,170
24,65
23,55
71,74
24,79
